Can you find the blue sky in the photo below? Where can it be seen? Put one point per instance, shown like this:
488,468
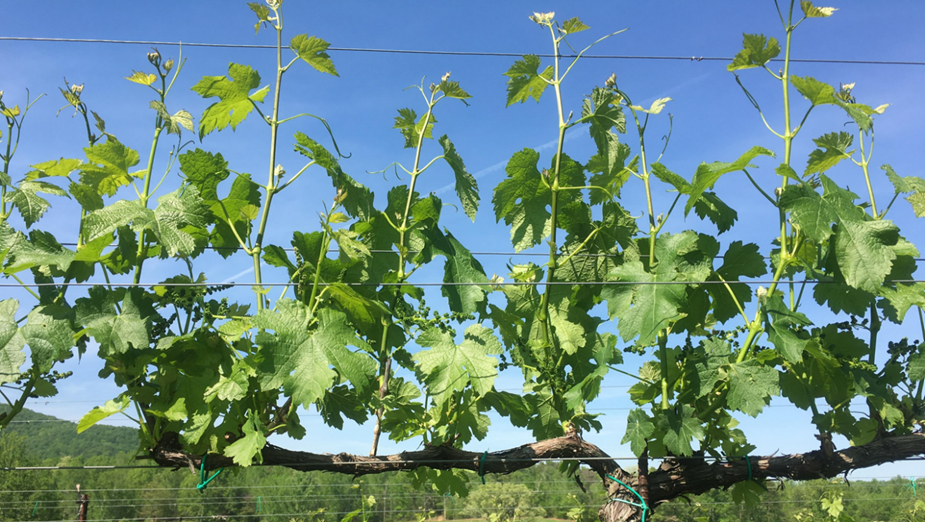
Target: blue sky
712,121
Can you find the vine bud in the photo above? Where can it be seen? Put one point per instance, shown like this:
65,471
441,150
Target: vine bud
611,81
77,89
168,65
778,191
762,292
155,57
1,95
280,171
445,77
543,18
341,194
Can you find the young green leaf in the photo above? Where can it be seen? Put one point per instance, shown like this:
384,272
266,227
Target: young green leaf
107,166
751,386
301,359
602,111
235,100
912,185
263,15
40,250
708,174
49,336
738,261
204,170
31,206
142,78
173,124
638,429
811,11
757,50
246,449
573,25
466,187
116,333
460,267
835,147
525,80
666,176
54,168
643,305
448,367
99,413
312,51
521,200
355,198
410,127
818,93
679,429
709,206
12,356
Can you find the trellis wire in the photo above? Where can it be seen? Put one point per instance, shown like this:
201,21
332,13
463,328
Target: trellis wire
451,53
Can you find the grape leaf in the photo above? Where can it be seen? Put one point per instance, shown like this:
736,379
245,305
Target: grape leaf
115,332
757,50
751,386
811,11
708,174
204,171
666,176
49,336
300,360
356,199
525,81
99,413
603,112
638,429
313,51
835,147
12,356
31,206
263,15
466,187
521,200
738,261
235,101
679,429
448,367
573,25
460,267
245,450
912,185
173,123
411,127
647,303
40,250
107,166
818,93
709,206
808,211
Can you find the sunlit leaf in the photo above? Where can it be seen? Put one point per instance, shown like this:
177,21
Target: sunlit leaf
313,51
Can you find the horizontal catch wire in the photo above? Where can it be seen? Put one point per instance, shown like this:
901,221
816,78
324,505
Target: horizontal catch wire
487,283
535,254
383,462
447,53
879,480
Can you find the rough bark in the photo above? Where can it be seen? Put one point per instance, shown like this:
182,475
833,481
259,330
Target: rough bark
675,477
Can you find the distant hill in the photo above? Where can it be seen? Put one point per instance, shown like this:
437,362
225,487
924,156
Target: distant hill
50,437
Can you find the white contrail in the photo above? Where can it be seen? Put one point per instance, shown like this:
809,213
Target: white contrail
572,135
239,274
500,165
